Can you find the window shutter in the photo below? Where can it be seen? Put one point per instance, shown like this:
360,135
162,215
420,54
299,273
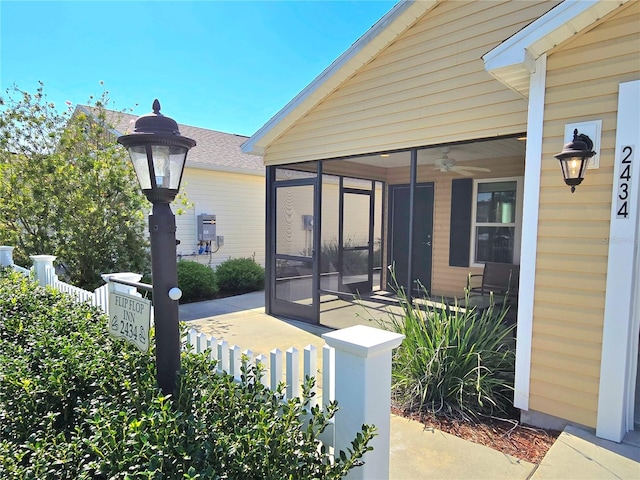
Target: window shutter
460,232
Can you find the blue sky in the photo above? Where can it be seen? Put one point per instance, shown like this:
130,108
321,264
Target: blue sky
223,65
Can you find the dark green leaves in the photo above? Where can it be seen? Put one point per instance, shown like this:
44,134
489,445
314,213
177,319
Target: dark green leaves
75,404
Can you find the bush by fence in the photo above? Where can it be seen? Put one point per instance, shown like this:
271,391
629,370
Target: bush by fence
76,404
349,354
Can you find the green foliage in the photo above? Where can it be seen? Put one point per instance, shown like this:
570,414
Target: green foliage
76,404
197,281
453,360
68,189
240,275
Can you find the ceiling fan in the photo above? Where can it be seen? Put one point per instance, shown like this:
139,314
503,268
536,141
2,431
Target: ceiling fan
446,164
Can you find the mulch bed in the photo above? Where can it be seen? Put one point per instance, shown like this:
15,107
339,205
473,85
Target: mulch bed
508,436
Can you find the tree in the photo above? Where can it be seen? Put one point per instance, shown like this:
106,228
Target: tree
68,189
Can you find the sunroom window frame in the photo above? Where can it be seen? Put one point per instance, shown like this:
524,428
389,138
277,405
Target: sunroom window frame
518,217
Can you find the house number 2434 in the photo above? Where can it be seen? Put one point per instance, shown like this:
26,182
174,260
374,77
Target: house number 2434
624,182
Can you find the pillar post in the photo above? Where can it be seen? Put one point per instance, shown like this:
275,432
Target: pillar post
6,256
363,392
42,265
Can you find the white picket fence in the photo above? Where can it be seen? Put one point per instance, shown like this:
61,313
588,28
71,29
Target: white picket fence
356,368
229,360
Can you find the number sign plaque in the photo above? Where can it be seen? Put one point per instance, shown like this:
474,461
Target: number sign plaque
130,318
624,208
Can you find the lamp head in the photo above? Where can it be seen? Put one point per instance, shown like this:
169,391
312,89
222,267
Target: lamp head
574,159
158,153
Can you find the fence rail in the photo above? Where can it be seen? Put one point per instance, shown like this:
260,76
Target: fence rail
355,370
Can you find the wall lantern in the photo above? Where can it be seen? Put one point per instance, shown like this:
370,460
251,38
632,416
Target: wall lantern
574,159
158,153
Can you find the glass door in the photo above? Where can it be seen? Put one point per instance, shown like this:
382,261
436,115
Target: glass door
292,290
355,237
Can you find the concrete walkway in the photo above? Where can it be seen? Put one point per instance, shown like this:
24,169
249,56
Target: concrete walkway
416,452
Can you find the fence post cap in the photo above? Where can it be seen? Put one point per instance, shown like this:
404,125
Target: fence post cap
43,258
363,341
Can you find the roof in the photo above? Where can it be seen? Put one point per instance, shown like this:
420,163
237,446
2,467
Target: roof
402,16
214,150
512,62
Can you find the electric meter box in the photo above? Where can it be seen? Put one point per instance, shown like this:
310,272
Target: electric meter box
206,227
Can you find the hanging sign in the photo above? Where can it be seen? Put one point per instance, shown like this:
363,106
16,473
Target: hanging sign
130,318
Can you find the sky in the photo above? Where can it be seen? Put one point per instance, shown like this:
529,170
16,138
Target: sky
223,65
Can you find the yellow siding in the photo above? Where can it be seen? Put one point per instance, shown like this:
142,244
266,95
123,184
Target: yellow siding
238,201
428,87
573,228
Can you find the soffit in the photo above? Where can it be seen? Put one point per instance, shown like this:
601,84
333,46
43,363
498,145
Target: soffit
512,62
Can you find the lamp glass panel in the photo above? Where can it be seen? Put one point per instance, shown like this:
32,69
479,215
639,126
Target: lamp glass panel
574,165
168,162
138,156
177,157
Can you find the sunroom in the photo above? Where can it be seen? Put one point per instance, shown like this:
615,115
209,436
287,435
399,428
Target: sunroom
351,229
403,156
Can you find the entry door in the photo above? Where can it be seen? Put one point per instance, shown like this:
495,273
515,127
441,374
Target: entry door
292,290
422,235
355,240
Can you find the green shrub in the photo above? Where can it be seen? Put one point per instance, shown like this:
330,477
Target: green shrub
240,275
454,361
76,404
197,281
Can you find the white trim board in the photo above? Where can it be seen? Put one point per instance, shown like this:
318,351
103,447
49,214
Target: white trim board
529,245
618,365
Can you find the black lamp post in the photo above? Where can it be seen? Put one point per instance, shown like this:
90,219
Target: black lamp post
158,153
574,159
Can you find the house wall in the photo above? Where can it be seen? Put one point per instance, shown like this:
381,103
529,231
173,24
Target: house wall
237,200
428,87
446,280
573,228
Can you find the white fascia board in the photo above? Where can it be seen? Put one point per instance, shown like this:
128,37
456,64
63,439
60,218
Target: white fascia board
513,59
373,39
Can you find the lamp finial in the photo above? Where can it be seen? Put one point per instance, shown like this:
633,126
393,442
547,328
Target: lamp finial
156,107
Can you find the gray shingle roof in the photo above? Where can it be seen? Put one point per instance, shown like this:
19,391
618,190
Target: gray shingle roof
214,150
